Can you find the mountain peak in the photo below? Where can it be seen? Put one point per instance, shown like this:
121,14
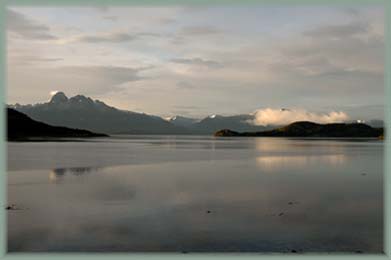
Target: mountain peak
81,99
59,97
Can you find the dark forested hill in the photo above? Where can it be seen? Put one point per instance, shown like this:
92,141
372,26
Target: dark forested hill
310,129
20,126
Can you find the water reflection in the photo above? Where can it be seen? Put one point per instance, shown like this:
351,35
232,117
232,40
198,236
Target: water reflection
297,145
296,161
57,175
317,200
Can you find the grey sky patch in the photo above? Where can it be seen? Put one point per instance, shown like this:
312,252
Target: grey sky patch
190,111
185,107
327,56
46,59
110,17
338,31
198,62
345,56
199,30
180,112
184,85
116,74
344,73
29,60
27,28
167,20
195,8
354,12
113,38
102,8
93,81
117,37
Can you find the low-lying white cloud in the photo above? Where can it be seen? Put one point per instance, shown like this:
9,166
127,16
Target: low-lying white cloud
270,116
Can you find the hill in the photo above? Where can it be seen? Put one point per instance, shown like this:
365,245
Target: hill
310,129
20,127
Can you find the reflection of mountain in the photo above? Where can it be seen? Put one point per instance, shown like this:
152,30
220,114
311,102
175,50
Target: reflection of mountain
75,170
21,126
310,129
58,174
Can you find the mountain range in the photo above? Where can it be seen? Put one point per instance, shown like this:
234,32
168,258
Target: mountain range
85,113
94,115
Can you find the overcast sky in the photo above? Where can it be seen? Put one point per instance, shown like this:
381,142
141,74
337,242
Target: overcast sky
197,61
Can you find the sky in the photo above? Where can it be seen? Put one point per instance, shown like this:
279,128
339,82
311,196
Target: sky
201,60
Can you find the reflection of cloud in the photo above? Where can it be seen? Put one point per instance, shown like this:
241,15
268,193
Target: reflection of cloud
117,192
275,162
265,145
53,177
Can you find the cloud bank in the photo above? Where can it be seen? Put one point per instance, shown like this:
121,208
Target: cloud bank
270,116
29,29
137,57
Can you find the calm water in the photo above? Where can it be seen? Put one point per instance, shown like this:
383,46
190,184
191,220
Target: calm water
192,194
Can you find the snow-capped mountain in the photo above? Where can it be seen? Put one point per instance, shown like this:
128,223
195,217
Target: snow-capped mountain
94,115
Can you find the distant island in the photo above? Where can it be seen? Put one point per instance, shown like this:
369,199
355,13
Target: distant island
22,127
310,129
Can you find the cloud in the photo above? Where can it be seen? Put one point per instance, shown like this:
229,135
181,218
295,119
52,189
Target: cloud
348,56
270,116
199,30
186,34
344,30
167,20
35,81
101,8
319,63
184,85
117,75
29,60
198,62
27,28
354,12
110,17
116,37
